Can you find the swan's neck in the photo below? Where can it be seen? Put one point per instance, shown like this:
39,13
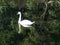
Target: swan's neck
20,17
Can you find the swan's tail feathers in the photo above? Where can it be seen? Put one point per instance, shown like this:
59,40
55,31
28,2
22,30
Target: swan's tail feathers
33,22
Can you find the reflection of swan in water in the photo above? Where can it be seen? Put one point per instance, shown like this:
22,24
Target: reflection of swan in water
24,23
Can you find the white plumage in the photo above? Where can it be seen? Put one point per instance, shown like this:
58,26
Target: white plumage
24,23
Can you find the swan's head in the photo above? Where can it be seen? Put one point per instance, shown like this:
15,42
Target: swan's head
19,13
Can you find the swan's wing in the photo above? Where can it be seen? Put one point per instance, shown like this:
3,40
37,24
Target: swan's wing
28,22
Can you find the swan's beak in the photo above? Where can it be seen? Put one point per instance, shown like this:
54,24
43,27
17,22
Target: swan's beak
17,13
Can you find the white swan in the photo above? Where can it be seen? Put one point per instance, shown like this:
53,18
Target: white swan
24,23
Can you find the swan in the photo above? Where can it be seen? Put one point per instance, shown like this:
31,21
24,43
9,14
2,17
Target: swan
24,23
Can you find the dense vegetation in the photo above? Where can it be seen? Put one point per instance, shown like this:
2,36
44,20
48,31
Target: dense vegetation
45,30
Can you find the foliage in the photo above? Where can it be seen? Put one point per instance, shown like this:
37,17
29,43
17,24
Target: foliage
42,33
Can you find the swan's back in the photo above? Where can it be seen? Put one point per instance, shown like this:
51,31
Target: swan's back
27,22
